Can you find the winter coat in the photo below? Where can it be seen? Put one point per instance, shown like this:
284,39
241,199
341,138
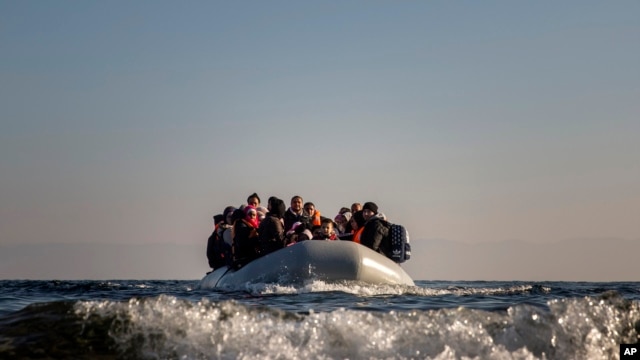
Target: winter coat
218,252
245,243
374,233
291,218
271,234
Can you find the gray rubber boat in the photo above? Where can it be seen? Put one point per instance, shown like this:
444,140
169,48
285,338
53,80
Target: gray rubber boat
330,261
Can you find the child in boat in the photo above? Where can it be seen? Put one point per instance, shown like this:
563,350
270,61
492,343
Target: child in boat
326,231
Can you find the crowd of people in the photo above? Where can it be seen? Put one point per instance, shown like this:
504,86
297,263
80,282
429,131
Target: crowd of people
250,231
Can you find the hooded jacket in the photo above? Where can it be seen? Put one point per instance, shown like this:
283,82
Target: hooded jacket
375,231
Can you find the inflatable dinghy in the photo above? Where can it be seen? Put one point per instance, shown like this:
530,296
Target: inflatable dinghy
330,261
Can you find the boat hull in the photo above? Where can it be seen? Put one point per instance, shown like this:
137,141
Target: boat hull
329,261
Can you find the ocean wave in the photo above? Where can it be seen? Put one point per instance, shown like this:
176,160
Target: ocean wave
173,328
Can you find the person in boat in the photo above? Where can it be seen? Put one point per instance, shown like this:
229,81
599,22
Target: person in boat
294,227
315,217
295,213
245,237
356,206
357,224
220,241
262,212
225,230
254,200
305,234
343,224
215,250
270,201
375,229
271,234
290,238
328,230
316,230
298,232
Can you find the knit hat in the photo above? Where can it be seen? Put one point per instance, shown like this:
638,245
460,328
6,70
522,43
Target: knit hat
370,206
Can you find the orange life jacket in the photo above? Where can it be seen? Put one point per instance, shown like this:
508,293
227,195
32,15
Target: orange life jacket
316,220
356,236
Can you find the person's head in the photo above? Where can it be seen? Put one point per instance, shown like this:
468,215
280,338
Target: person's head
342,219
238,214
357,220
262,212
305,235
296,203
317,232
250,211
278,208
327,227
228,214
356,207
343,210
299,232
310,208
251,215
253,200
271,198
369,209
217,219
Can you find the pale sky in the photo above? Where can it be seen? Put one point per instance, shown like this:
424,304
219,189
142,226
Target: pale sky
471,121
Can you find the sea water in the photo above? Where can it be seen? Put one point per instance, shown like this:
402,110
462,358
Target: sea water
432,320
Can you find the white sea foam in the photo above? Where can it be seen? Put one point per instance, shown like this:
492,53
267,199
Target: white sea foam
365,289
167,327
